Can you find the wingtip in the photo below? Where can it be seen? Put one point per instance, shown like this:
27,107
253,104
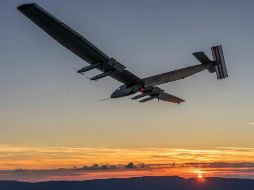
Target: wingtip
23,6
179,100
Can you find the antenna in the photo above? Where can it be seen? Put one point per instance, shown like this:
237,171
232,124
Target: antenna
104,99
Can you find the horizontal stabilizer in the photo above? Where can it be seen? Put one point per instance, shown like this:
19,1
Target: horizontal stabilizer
217,64
220,66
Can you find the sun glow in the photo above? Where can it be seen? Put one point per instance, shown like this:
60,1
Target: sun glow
200,175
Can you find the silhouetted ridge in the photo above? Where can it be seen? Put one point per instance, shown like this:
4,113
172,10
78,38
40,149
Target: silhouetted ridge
137,183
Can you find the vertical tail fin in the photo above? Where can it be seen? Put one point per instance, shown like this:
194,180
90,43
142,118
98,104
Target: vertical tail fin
220,67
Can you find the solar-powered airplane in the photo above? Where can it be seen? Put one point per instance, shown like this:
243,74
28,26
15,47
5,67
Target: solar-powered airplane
111,67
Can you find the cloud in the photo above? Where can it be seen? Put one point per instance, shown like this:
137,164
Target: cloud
12,157
130,165
250,123
220,165
95,171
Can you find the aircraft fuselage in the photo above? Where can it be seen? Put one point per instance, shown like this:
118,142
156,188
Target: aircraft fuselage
125,90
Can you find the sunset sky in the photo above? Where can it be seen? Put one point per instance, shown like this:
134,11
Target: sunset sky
52,118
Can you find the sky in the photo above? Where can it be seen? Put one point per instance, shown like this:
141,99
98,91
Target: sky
46,107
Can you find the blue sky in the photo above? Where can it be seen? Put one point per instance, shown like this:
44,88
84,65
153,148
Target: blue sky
43,102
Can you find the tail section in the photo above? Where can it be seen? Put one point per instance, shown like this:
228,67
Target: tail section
218,62
220,67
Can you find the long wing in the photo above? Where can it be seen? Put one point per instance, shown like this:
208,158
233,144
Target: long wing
175,75
157,93
77,43
170,98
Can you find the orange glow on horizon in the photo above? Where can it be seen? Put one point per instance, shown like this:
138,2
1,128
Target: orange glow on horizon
187,163
13,157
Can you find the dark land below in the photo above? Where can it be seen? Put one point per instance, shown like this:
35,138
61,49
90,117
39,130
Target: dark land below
136,183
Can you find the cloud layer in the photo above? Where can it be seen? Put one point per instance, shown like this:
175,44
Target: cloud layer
68,163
